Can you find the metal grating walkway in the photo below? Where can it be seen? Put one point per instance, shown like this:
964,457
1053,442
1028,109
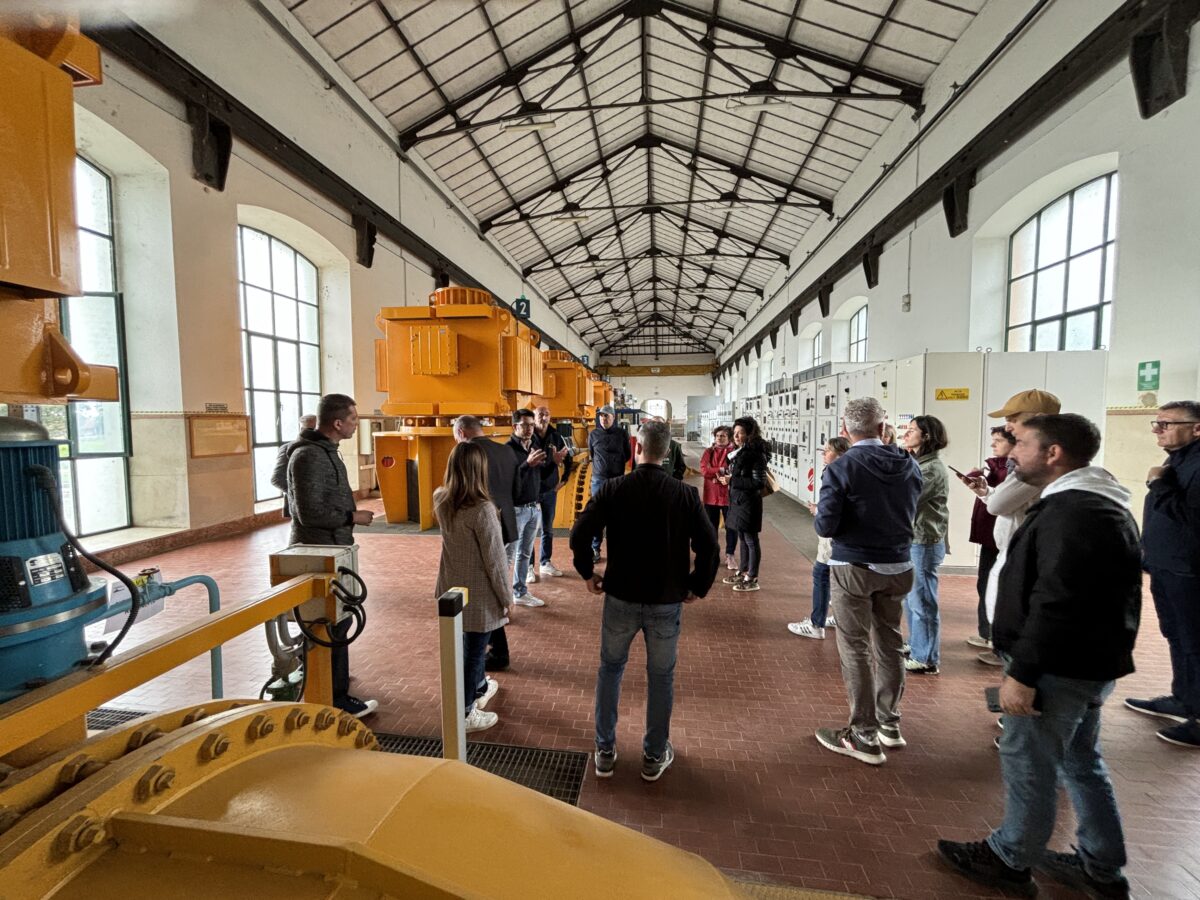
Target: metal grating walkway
555,773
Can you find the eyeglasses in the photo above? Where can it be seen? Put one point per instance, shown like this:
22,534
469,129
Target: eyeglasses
1164,424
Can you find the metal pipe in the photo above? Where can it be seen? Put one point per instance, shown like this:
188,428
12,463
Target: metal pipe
216,669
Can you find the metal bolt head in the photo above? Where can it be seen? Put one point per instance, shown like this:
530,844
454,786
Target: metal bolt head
155,780
260,727
195,715
8,818
364,739
347,724
80,833
78,768
143,736
297,718
214,745
325,719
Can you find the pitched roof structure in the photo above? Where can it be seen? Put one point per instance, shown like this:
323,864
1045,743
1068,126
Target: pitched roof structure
649,163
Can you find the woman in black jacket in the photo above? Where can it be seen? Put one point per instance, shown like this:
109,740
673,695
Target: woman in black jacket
746,477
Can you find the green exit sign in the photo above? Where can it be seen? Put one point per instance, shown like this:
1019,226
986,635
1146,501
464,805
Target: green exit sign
1148,374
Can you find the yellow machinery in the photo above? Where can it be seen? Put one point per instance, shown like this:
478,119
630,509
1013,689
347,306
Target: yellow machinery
464,355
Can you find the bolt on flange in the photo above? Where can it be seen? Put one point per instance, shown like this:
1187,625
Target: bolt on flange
260,727
347,725
143,736
214,745
297,718
78,768
195,715
80,833
325,719
156,780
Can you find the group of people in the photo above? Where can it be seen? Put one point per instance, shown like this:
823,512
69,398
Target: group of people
1059,588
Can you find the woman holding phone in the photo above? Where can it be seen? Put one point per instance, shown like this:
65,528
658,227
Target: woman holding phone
925,437
983,523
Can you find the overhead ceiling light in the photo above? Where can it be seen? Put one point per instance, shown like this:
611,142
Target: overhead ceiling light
529,126
570,216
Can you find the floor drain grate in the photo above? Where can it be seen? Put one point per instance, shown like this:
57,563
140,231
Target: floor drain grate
555,773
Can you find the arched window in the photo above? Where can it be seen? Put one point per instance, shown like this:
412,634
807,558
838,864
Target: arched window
858,335
281,345
818,349
1061,265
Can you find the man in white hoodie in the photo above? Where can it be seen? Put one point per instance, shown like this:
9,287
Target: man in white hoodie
1067,614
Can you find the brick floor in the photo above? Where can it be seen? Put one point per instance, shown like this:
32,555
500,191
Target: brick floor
751,790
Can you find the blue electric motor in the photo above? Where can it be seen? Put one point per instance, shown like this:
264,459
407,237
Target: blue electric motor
46,597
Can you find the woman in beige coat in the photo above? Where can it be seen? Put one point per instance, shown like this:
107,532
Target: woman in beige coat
473,557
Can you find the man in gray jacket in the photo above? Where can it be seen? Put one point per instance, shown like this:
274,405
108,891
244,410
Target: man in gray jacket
279,473
324,512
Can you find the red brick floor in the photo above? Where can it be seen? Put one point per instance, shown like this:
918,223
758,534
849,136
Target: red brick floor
751,790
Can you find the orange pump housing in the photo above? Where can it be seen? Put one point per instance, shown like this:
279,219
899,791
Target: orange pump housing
461,355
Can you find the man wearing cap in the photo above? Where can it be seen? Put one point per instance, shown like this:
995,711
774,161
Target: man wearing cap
608,448
1171,554
1009,500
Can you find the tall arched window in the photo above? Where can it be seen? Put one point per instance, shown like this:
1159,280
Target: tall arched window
818,348
1061,266
858,335
281,345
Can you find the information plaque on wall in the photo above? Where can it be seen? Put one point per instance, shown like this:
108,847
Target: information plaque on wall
210,436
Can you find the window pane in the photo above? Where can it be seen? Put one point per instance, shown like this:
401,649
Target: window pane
1083,287
285,317
259,310
1110,272
1081,332
262,363
1046,336
288,368
264,413
264,465
308,404
1023,254
1112,209
1105,318
1018,338
1049,296
1020,301
307,288
1087,216
95,256
98,427
92,327
289,415
103,497
91,198
1052,232
256,258
309,326
283,269
310,369
66,487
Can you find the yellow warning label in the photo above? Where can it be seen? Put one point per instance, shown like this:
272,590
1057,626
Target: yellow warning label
952,394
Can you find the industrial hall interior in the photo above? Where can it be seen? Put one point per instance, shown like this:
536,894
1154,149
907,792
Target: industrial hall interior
599,448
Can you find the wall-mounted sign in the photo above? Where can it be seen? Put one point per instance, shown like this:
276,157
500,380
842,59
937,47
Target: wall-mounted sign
585,359
1148,374
952,394
521,307
216,407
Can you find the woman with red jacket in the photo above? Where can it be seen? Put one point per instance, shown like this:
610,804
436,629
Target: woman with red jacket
982,522
716,495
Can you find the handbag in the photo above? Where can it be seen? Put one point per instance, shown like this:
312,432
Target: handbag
770,485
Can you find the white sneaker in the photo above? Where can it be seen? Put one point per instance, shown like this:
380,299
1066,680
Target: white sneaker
531,577
492,686
807,629
829,621
548,568
528,600
730,562
480,720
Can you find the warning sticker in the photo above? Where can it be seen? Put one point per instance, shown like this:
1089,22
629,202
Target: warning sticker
952,394
45,569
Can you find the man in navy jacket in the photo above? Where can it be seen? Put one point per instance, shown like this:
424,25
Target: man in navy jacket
1171,554
867,504
609,450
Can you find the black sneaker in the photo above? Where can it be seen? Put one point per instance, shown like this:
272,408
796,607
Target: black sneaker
735,578
890,736
606,762
847,743
1185,734
1161,707
1068,869
980,863
653,767
357,708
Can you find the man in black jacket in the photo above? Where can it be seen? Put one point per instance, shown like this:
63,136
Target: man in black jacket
324,512
608,448
547,439
650,516
279,473
529,461
1171,554
1067,614
502,487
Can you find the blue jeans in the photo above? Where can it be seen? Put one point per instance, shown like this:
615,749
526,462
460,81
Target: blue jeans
921,610
518,551
659,624
549,506
1035,752
474,680
751,553
820,607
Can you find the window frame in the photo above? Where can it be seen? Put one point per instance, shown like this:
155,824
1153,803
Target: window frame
859,334
1102,309
818,348
247,334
